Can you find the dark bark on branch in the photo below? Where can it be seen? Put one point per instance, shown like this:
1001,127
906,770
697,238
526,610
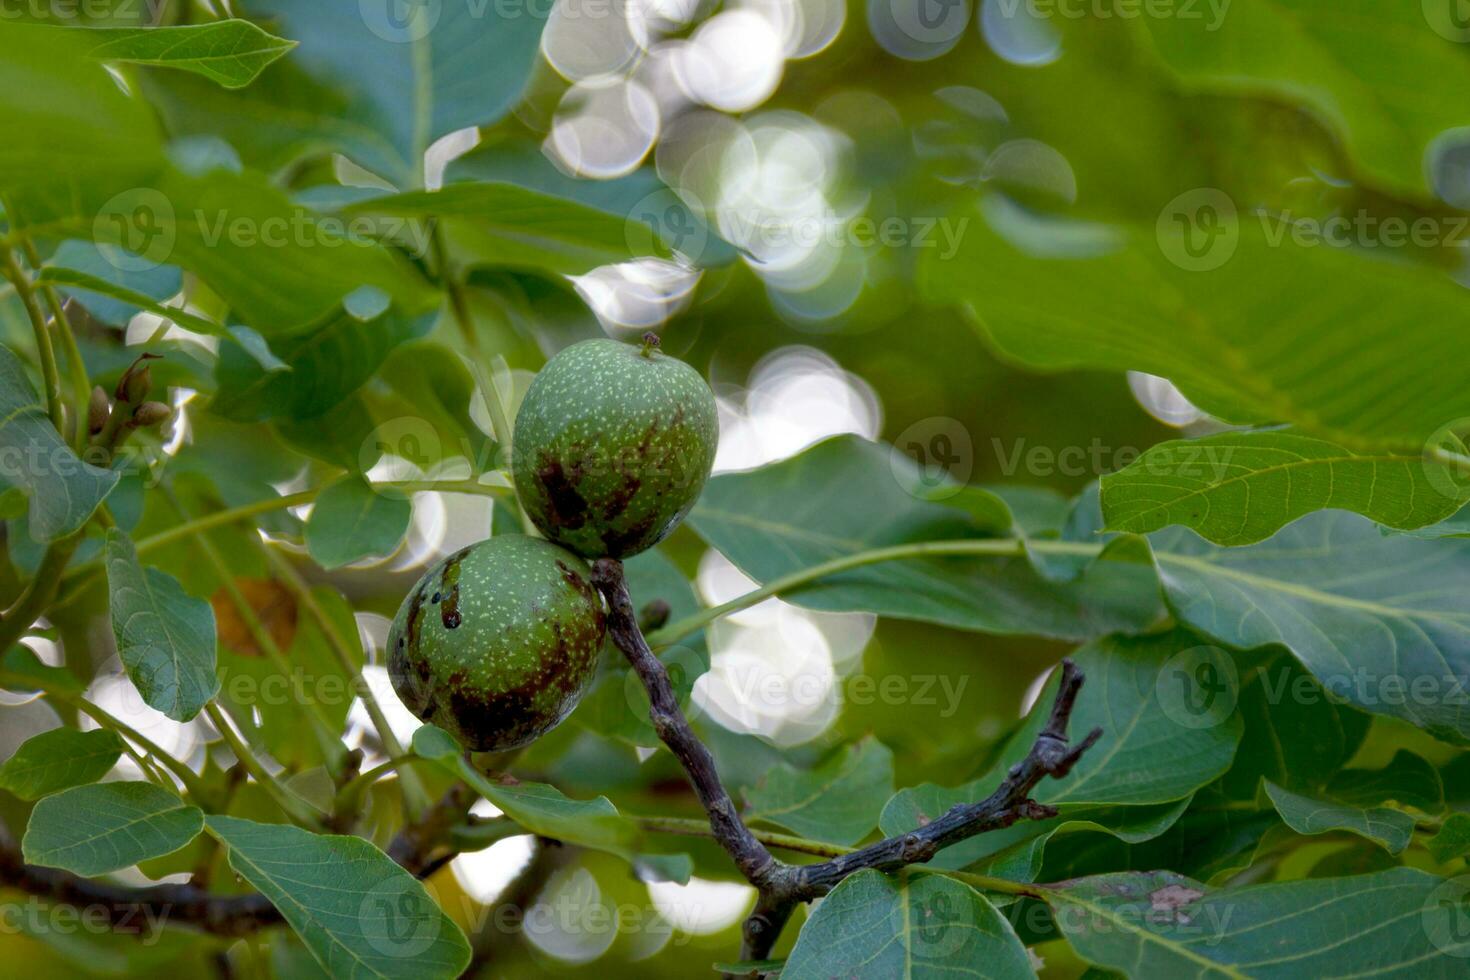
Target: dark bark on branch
1050,755
781,886
418,848
750,855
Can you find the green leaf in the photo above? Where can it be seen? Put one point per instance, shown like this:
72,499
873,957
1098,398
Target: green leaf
22,670
639,196
230,52
92,830
1159,743
1153,752
375,86
1213,839
1293,733
326,364
165,637
1386,385
1329,57
125,296
1376,618
837,801
1457,525
919,926
351,521
433,742
278,265
1397,922
58,760
79,123
1453,839
63,492
1306,815
105,174
545,810
359,913
1407,780
117,306
501,224
801,512
1242,487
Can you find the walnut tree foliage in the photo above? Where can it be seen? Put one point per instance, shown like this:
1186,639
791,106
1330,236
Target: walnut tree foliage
257,360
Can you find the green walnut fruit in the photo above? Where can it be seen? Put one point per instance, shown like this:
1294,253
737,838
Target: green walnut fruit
498,642
612,446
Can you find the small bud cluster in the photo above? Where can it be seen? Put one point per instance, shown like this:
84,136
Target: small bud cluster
110,419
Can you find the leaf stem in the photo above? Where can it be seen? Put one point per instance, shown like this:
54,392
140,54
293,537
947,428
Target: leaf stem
351,793
82,395
158,756
233,515
328,738
51,379
679,629
691,827
302,814
40,590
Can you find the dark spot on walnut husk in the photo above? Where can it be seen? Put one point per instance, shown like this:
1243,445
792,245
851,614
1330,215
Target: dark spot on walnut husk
630,538
411,625
517,715
581,585
566,508
449,610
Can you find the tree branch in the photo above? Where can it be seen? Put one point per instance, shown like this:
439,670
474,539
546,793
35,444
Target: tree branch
750,855
1050,755
419,848
781,886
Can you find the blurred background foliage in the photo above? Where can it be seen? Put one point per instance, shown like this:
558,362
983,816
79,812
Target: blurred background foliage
1048,131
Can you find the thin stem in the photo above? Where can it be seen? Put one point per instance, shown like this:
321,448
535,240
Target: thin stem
350,794
233,515
415,798
51,379
82,385
39,591
748,853
690,827
920,549
301,813
156,755
328,738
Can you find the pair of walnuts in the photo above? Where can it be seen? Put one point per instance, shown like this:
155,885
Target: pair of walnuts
498,642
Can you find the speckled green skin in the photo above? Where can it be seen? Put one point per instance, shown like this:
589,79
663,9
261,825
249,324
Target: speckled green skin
612,447
498,642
